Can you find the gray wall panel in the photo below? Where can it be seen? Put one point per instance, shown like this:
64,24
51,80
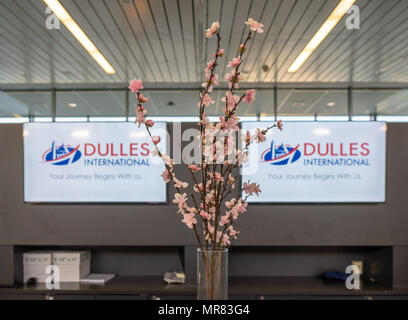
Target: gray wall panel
285,225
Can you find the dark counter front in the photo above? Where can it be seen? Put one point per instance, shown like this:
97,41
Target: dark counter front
241,288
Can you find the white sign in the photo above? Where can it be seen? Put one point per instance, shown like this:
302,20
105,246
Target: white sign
92,162
319,162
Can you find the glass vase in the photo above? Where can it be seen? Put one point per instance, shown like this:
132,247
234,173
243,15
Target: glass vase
212,274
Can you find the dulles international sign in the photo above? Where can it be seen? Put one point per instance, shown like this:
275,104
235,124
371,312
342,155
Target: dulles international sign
319,162
92,162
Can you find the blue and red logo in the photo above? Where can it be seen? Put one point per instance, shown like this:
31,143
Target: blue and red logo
62,155
279,155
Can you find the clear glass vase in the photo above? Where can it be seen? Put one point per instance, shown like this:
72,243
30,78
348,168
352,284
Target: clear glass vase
212,274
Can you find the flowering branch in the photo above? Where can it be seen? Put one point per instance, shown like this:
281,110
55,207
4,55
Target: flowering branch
213,178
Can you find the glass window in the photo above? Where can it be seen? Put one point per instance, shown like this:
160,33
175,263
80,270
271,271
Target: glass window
183,103
173,103
22,104
91,103
381,102
307,102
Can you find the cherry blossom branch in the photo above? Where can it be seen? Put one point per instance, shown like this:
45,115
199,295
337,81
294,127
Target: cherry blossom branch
217,180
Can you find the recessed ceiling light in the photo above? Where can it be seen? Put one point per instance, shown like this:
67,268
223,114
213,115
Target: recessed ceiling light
72,105
331,104
83,39
321,34
321,131
171,104
265,68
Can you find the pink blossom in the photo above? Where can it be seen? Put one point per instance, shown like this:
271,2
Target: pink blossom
141,109
229,146
181,200
242,48
229,124
230,204
210,83
219,53
247,137
149,123
280,125
210,196
230,100
251,188
231,180
260,135
155,152
179,184
224,220
140,115
218,177
206,99
210,232
210,64
248,188
189,220
207,123
135,85
167,160
241,156
249,96
198,187
225,239
242,205
142,98
234,213
212,30
156,139
140,119
192,210
232,232
234,62
254,25
194,167
166,175
205,215
232,78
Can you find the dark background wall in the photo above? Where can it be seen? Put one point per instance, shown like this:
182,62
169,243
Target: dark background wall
263,225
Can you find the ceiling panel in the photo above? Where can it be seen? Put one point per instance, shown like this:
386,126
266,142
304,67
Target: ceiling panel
163,41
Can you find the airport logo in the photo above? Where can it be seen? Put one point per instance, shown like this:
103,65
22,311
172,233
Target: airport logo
279,155
62,155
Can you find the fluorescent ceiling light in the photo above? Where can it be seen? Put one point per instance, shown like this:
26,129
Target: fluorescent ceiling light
321,34
83,39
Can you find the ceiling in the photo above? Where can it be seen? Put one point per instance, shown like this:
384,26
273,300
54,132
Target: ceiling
162,42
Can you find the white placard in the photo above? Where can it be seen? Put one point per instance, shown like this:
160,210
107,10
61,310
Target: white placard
92,162
319,162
